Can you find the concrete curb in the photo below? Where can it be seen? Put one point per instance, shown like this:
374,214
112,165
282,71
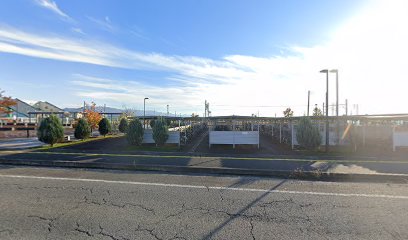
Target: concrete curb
302,175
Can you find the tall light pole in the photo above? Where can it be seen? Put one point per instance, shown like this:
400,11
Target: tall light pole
327,108
337,104
144,112
167,110
308,102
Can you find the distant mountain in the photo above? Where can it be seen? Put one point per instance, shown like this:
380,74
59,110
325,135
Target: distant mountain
102,109
98,109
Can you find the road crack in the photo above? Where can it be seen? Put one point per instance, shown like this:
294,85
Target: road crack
49,221
251,229
79,229
149,231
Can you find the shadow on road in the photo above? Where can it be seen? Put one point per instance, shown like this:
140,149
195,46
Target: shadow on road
234,216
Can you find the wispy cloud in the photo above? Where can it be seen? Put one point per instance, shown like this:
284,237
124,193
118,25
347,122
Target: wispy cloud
52,6
104,24
369,52
77,30
15,41
138,32
130,92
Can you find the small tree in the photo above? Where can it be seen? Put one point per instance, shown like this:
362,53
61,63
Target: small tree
135,132
307,134
6,103
93,117
288,113
123,125
317,112
152,122
82,129
104,126
160,132
50,130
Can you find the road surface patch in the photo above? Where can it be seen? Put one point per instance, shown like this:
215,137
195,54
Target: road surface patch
211,187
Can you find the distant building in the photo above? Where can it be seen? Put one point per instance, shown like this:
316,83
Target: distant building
46,107
21,109
19,112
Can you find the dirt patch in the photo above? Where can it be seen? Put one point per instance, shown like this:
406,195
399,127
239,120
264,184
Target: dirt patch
266,147
114,145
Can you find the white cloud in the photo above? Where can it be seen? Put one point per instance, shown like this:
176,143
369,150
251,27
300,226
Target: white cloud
52,6
131,93
104,24
369,51
77,30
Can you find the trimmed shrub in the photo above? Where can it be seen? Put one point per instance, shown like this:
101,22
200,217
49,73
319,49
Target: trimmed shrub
82,129
160,132
123,125
104,126
50,130
152,122
307,134
135,132
222,128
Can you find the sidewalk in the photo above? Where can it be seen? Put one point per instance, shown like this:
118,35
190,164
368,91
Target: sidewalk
19,143
328,169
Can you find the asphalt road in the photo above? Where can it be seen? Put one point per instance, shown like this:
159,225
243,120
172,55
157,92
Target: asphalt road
50,203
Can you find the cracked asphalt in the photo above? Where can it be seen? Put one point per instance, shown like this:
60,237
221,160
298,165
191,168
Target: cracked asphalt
52,203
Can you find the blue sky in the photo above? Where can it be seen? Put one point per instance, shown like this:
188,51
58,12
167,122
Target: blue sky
242,56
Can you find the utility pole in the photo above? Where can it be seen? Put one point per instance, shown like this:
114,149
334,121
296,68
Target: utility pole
205,108
167,110
327,108
337,105
346,107
308,102
144,112
323,109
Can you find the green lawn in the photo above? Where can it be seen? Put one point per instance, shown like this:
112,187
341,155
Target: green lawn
152,148
67,144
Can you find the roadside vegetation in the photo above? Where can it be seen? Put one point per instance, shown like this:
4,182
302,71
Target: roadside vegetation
6,103
50,130
93,117
82,129
135,131
308,134
123,125
104,127
73,143
160,132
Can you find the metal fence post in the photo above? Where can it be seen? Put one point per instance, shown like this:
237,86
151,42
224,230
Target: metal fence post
280,132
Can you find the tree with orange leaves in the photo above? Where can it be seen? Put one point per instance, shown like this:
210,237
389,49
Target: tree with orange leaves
6,103
93,117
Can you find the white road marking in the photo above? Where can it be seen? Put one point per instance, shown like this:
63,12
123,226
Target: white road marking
209,187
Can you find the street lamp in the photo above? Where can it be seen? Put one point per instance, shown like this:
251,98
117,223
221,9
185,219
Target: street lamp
327,108
144,112
337,104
